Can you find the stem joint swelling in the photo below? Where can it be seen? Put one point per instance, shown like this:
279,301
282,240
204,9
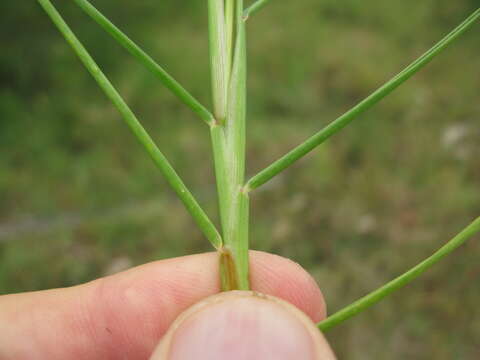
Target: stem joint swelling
245,190
214,123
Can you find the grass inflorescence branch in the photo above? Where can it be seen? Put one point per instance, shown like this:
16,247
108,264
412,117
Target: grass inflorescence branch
377,295
142,136
303,149
146,60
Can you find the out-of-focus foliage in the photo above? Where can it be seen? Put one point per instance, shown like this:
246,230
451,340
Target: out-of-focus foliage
79,198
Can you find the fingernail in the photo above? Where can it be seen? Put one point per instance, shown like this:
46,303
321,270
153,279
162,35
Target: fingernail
241,326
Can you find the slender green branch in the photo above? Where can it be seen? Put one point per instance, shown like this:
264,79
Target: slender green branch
142,136
254,8
146,60
334,127
377,295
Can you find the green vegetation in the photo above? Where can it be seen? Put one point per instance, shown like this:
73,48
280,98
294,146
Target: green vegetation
377,295
367,206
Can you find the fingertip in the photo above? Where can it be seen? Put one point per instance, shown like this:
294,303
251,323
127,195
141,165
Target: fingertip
286,279
243,325
127,313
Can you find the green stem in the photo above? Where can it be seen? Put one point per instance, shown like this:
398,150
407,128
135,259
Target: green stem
146,60
377,295
334,127
236,230
228,140
142,136
254,8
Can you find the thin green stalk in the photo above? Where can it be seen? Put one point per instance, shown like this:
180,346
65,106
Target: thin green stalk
142,136
334,127
236,231
147,61
228,140
218,58
377,295
254,8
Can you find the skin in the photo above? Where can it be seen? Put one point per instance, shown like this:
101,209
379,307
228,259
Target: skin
243,325
124,316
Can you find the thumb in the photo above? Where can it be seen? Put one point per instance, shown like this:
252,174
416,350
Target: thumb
243,325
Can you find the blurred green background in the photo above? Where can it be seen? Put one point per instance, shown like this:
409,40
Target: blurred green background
80,199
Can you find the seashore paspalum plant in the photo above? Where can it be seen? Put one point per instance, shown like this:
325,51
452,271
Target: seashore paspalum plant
227,21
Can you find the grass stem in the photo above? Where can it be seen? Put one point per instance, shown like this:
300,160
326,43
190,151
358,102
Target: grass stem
228,139
236,230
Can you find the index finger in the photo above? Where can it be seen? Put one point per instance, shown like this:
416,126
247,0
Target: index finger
125,315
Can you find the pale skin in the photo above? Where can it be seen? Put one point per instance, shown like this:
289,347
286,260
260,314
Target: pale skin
126,315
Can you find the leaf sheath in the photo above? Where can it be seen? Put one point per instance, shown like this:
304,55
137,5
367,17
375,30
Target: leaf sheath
218,58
